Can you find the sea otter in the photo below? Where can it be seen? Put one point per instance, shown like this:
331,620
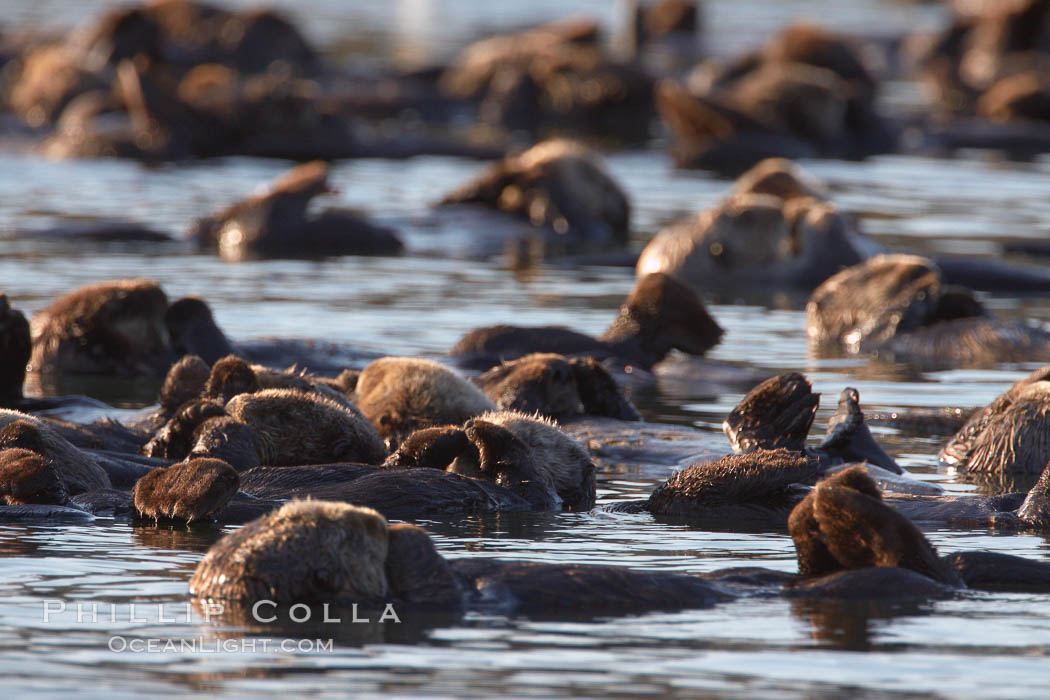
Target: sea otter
900,306
553,78
559,187
805,93
660,314
1006,437
556,386
276,224
402,394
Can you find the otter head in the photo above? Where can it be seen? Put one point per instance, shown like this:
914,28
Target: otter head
869,304
843,524
304,552
1035,511
662,314
191,490
108,327
28,478
599,393
25,435
780,178
777,413
184,382
193,330
231,441
229,377
540,382
15,348
433,448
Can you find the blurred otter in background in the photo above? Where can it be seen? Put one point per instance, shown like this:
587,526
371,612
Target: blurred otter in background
276,225
899,305
562,189
550,79
805,93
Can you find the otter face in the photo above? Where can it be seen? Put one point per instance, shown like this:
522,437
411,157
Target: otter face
226,439
1016,439
748,486
541,382
28,478
305,552
506,460
433,448
175,439
193,330
870,303
555,458
192,490
78,470
599,392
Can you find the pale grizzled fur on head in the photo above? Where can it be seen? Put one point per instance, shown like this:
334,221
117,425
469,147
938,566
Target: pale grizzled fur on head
79,471
402,394
305,552
560,460
293,427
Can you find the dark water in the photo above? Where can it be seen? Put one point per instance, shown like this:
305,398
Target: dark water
986,644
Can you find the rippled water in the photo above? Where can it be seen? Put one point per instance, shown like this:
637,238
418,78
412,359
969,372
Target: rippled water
989,644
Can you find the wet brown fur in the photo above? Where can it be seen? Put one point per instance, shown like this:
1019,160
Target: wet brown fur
78,470
28,478
193,490
843,524
402,394
293,427
306,552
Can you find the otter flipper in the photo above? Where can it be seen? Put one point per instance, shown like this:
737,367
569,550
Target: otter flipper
848,438
777,413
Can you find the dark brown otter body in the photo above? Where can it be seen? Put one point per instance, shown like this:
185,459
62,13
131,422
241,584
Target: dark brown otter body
276,224
659,315
556,386
779,413
899,305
